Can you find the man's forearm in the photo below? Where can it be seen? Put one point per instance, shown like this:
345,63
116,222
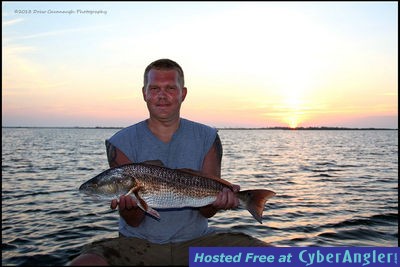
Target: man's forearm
208,211
133,217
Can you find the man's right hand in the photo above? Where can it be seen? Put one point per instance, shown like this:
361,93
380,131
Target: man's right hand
129,210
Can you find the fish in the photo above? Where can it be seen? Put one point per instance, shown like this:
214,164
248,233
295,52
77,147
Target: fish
155,186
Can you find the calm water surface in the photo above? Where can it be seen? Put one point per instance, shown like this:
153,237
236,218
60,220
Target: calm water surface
334,188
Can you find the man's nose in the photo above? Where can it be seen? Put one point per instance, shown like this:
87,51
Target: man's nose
162,92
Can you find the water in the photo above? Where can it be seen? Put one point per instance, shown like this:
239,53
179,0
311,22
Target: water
334,188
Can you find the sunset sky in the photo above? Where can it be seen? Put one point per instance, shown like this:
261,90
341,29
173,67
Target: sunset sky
246,64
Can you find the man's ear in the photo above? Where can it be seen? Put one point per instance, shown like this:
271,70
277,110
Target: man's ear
184,92
144,93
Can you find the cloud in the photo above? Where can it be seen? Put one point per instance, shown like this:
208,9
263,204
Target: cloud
10,50
12,22
58,32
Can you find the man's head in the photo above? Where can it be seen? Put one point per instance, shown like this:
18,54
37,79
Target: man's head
164,89
164,64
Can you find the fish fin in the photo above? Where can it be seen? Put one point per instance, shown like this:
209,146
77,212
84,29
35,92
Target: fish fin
156,162
196,173
254,201
134,190
146,208
153,212
141,202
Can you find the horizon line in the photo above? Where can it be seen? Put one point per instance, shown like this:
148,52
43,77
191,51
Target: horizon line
222,128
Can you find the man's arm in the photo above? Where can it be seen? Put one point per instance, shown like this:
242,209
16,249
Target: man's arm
115,156
128,208
212,161
212,167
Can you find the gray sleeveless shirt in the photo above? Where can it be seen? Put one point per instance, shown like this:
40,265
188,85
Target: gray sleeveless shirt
187,149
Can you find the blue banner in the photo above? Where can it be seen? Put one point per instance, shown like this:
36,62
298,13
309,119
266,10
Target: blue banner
296,256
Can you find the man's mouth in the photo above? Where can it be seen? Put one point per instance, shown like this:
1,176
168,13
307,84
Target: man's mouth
161,105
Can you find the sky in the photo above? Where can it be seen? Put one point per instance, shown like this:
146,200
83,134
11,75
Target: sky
246,64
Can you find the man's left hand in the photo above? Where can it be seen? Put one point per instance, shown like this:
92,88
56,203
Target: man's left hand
227,199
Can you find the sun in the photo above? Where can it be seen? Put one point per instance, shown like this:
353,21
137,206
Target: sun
293,111
296,82
293,119
293,122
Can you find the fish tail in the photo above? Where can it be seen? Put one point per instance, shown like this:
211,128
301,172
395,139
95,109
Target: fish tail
254,201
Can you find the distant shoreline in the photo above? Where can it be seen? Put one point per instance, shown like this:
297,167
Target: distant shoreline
222,128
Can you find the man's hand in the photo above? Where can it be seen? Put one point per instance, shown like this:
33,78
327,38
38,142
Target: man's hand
227,199
129,210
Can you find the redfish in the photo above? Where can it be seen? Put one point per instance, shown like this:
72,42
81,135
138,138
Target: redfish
158,187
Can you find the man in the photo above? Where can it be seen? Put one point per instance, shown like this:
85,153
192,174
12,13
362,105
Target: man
177,143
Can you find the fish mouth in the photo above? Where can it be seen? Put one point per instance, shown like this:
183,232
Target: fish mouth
82,188
88,187
96,189
92,191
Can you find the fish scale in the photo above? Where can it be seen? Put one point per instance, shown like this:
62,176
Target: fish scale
159,187
168,190
168,182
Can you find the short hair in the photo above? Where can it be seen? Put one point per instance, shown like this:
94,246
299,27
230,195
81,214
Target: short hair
164,64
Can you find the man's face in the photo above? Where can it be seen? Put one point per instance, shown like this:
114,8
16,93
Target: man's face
164,94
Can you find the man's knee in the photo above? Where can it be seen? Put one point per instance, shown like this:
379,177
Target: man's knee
88,259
